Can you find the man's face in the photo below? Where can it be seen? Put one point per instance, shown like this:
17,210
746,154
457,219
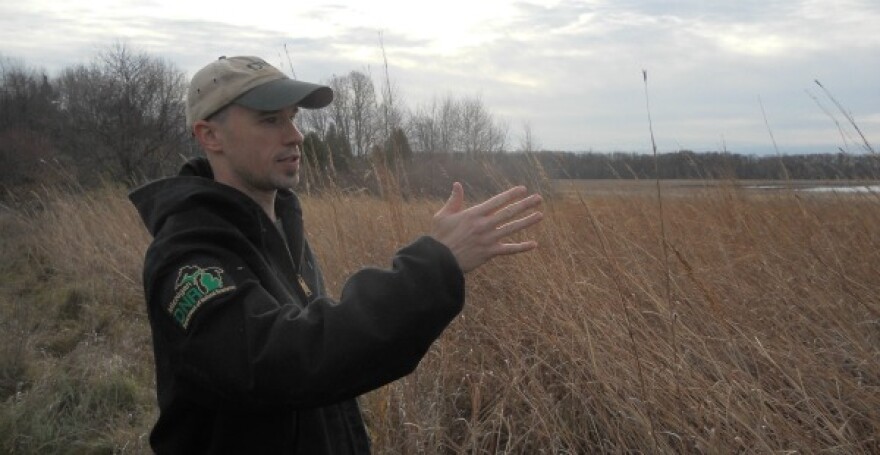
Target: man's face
260,150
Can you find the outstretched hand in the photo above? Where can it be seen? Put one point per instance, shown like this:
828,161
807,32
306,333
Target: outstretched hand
475,235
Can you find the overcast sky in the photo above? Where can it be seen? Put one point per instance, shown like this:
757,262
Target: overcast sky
571,69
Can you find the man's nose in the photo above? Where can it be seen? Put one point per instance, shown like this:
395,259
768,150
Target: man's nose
292,134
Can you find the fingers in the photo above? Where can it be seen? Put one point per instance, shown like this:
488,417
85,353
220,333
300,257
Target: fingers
498,222
499,200
475,235
516,209
456,200
514,248
457,196
518,225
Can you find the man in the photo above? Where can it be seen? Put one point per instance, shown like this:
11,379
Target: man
251,355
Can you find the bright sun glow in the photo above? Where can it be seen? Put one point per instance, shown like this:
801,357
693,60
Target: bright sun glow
442,27
754,45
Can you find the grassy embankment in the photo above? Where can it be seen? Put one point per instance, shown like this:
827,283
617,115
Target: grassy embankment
758,329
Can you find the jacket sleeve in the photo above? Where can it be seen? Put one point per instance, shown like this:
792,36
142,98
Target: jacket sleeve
241,348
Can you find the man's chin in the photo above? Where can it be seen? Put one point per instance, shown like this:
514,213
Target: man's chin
288,182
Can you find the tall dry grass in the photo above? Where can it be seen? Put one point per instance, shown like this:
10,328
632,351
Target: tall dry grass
76,374
768,341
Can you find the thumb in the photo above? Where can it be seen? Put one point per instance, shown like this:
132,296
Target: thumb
455,203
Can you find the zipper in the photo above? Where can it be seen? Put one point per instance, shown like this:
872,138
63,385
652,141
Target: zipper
304,286
304,289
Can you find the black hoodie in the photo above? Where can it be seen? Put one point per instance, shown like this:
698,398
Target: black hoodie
251,355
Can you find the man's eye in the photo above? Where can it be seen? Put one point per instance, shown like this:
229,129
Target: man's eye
271,119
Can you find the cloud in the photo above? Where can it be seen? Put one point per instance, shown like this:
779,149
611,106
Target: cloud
572,69
707,68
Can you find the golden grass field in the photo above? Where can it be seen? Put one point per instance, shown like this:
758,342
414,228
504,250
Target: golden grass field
732,321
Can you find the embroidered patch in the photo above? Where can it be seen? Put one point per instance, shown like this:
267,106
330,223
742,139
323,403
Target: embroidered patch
195,286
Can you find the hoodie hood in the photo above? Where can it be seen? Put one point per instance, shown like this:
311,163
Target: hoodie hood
197,167
193,189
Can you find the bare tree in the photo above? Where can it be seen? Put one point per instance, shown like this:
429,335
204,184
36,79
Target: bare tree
26,96
316,121
124,114
480,132
354,110
339,109
448,123
363,111
527,141
391,117
423,129
475,125
28,119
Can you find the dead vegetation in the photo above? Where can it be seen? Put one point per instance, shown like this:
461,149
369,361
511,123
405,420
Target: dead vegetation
766,338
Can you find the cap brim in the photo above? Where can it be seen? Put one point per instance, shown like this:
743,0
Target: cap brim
281,93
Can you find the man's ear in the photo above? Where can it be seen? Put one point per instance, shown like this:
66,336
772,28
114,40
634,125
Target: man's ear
208,135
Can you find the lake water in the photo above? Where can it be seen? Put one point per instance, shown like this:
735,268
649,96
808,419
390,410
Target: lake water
824,189
844,189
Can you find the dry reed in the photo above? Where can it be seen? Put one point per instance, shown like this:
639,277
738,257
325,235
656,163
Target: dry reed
770,344
770,341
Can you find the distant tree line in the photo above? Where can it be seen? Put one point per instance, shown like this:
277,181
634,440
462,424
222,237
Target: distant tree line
120,118
686,164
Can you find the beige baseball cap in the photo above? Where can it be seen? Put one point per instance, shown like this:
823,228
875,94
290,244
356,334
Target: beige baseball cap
250,82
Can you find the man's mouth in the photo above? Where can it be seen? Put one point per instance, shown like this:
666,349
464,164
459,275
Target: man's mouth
294,158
